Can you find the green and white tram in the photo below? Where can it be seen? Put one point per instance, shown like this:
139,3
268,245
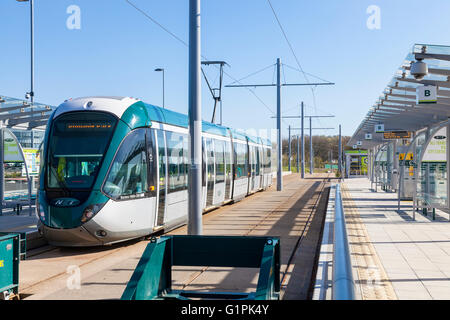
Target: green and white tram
116,168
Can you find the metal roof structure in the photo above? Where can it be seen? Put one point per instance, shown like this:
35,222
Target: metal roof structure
396,108
15,112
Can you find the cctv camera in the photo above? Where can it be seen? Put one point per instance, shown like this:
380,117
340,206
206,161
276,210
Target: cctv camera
419,69
27,95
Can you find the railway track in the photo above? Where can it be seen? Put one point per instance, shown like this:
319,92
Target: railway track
306,211
301,238
261,213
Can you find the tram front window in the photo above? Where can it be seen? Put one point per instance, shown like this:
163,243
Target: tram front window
78,142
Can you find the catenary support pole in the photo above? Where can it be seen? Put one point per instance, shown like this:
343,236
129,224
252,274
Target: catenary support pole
303,142
311,153
195,122
290,154
280,141
298,153
340,153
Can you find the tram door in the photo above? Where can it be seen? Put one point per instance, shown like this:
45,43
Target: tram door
162,173
252,168
259,170
228,170
204,173
152,175
210,174
219,186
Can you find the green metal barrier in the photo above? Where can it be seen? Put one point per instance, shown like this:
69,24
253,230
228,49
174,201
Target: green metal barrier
9,265
22,242
152,278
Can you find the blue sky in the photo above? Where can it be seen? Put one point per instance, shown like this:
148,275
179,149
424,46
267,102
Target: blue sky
117,49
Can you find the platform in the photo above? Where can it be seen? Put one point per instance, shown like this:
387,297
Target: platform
394,256
104,272
24,222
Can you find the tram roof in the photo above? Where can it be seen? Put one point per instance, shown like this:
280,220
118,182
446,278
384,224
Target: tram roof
18,113
178,119
396,107
130,108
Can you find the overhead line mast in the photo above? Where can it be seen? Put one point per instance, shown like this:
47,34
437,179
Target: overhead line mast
215,92
279,117
311,153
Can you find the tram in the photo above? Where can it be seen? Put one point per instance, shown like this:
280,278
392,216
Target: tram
116,168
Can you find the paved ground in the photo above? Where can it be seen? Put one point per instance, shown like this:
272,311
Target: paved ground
11,222
395,256
104,272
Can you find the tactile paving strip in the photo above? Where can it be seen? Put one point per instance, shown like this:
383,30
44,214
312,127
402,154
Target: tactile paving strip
373,281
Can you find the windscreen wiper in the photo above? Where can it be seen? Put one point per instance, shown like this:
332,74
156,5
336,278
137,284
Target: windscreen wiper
61,183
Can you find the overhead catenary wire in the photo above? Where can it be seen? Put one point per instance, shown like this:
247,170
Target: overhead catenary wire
187,45
292,51
310,74
284,74
287,40
254,73
157,23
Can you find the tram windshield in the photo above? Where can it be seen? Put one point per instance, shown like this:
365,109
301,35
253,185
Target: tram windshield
77,144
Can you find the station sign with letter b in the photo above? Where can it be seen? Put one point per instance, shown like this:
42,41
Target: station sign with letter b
426,94
379,128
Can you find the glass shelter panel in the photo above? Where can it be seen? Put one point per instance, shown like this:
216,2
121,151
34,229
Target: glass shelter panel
389,165
380,165
432,173
406,166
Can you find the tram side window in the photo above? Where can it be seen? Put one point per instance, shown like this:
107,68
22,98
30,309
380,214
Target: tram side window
152,161
241,160
268,160
127,177
220,160
252,159
177,152
162,162
258,160
227,158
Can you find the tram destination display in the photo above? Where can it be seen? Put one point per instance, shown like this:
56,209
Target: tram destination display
92,125
391,135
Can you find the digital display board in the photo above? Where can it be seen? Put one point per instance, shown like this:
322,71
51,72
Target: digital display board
396,135
88,125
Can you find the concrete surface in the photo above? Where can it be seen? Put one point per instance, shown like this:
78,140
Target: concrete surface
396,257
104,272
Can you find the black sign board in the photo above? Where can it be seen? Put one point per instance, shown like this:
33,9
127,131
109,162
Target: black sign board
388,135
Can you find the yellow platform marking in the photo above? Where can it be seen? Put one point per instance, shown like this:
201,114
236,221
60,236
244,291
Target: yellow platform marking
373,281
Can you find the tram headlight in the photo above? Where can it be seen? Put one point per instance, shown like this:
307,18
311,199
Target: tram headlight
40,213
91,211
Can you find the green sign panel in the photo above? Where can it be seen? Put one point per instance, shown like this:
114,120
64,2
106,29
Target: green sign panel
11,152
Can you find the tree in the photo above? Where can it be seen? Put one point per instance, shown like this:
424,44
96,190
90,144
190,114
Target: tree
325,149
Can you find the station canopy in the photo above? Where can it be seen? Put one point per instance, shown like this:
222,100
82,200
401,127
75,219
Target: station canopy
21,113
396,107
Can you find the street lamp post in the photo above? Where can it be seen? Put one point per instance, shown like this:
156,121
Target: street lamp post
30,95
161,70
